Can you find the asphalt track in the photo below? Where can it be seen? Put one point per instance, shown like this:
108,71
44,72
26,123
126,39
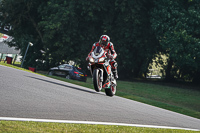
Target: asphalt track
28,95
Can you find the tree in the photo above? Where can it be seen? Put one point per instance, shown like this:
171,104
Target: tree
23,17
176,25
65,30
70,28
130,29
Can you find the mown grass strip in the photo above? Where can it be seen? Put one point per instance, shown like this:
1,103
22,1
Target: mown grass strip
43,127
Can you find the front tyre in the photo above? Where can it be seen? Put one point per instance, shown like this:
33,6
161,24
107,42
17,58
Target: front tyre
96,80
110,91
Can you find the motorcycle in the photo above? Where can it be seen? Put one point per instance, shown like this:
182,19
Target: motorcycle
100,69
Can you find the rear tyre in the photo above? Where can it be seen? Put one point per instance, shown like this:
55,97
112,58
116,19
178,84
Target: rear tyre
110,91
96,80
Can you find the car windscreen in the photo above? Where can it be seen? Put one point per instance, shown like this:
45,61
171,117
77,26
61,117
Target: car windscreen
68,67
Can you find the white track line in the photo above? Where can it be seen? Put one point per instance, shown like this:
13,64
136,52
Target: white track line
91,122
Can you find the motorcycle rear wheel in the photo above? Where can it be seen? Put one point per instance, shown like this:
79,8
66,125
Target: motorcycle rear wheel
111,91
96,80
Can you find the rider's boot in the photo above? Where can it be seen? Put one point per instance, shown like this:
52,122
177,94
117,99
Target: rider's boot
115,74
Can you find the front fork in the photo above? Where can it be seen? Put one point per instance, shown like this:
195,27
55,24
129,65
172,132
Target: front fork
100,70
101,74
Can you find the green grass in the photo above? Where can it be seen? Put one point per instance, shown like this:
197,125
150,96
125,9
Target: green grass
41,127
177,99
181,100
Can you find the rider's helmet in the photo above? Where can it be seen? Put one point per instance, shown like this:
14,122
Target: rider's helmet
104,40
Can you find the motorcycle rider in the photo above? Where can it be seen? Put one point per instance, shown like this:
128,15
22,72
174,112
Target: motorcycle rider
105,43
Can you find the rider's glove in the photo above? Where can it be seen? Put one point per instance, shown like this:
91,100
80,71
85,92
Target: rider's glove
110,56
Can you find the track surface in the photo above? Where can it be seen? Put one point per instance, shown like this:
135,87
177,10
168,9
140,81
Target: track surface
28,95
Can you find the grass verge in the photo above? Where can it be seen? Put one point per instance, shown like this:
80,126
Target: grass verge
43,127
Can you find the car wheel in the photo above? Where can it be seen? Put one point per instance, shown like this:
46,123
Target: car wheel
50,73
67,77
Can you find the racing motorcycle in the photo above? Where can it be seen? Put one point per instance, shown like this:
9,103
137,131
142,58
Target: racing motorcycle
100,69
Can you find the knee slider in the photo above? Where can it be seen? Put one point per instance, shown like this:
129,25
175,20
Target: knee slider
115,64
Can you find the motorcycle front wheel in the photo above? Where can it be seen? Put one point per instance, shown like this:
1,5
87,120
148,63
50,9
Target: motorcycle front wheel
96,80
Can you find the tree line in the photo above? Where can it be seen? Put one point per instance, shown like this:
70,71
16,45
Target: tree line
140,30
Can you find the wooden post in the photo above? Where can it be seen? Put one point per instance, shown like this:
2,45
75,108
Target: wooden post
15,59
